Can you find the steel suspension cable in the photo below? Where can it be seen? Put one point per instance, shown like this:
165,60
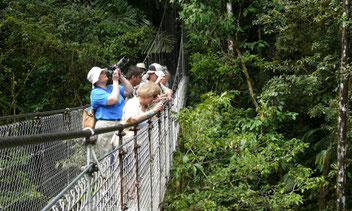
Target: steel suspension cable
157,34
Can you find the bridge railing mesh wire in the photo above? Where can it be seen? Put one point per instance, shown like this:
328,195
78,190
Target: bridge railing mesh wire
59,172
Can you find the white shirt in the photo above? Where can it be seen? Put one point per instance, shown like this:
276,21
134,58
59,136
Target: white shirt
133,108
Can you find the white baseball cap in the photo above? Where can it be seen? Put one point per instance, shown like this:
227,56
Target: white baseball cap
93,75
155,67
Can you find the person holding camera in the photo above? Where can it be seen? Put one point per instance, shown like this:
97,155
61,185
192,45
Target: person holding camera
107,101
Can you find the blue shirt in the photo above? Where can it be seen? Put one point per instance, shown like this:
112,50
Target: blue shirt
98,98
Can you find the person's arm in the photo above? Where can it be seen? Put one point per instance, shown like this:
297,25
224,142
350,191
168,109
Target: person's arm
115,94
167,92
157,108
126,84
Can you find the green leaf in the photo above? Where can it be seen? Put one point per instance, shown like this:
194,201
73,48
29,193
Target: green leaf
185,159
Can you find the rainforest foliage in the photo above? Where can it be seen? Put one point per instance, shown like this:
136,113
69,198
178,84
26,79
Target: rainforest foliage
47,48
260,129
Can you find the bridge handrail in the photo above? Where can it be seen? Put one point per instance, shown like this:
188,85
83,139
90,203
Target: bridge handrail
15,141
43,113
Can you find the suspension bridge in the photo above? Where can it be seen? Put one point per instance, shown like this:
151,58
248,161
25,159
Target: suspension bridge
47,162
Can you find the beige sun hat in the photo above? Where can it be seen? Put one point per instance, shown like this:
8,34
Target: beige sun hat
141,65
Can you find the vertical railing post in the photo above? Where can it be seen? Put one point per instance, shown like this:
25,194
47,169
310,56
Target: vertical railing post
171,134
150,163
166,132
38,125
122,152
67,119
159,149
89,191
89,141
67,126
136,147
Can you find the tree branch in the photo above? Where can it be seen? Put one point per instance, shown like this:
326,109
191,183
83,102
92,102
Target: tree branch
251,92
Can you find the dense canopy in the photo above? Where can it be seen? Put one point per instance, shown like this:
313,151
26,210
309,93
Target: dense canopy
261,128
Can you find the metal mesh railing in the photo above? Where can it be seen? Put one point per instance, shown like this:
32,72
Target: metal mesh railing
62,171
66,120
31,175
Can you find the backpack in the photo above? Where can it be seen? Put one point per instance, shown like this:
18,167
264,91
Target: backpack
89,119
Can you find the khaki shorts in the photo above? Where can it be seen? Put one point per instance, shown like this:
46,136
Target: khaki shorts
103,144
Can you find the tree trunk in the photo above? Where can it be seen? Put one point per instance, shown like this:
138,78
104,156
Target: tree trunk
323,192
342,119
229,39
261,72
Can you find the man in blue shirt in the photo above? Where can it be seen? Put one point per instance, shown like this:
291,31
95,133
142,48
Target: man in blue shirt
107,101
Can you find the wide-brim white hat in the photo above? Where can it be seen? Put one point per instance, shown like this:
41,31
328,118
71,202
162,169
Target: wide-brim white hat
93,75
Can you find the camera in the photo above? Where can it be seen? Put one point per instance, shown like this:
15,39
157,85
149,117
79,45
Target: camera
120,64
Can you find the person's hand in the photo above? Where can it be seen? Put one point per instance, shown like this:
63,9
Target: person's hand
159,79
165,97
158,107
157,99
118,70
160,75
116,75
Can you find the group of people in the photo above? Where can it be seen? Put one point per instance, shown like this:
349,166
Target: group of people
128,99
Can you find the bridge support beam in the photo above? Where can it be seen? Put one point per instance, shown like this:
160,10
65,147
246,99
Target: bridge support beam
138,178
121,153
160,143
89,182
